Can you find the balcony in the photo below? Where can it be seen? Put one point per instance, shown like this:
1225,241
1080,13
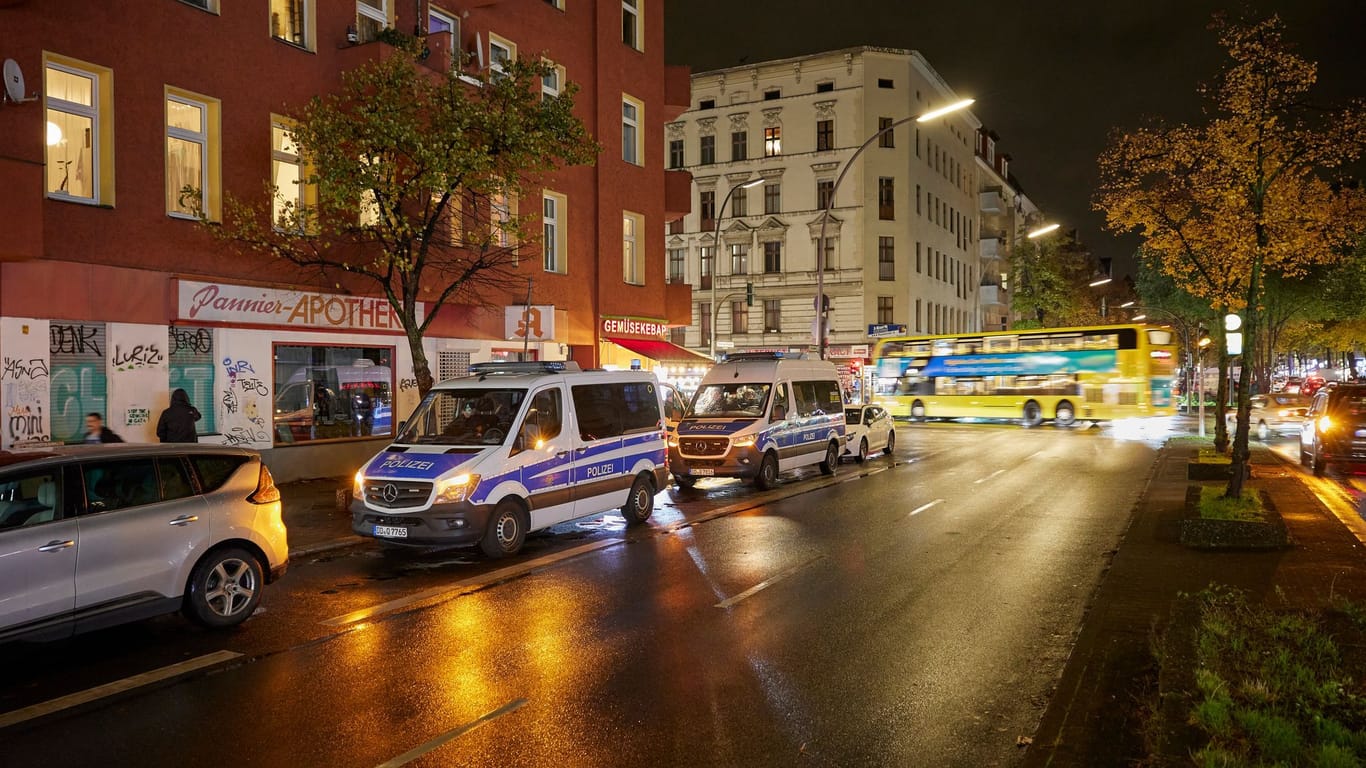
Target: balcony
990,202
991,248
993,295
677,194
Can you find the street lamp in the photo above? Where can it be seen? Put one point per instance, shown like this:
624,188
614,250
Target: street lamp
716,253
821,307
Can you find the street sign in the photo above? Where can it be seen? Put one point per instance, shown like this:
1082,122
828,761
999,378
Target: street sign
886,329
725,344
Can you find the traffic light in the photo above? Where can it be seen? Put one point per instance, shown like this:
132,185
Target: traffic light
749,294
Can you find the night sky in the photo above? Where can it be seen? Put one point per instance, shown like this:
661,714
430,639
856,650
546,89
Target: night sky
1051,78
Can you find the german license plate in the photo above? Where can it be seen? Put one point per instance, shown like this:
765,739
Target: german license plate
704,471
391,532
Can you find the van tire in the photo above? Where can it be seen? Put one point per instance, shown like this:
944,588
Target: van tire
505,531
767,479
641,502
832,459
686,482
1032,414
224,589
1065,414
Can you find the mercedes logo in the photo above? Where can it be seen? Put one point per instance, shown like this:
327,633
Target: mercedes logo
390,492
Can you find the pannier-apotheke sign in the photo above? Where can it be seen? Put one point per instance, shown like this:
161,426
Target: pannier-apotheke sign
249,305
633,327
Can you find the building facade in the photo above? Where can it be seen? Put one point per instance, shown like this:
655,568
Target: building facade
1007,214
111,295
901,243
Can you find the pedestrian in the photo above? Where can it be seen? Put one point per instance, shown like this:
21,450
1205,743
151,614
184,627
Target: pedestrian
97,432
176,424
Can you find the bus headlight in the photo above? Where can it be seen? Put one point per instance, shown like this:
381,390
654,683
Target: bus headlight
743,442
456,489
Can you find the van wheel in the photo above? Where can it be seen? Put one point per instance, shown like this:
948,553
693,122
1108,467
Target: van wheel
685,481
224,588
832,459
1032,414
506,531
767,478
1065,415
918,411
862,451
641,502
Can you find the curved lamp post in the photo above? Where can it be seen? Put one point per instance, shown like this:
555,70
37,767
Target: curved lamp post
821,308
716,254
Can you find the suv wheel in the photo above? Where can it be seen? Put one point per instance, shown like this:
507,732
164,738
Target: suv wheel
225,588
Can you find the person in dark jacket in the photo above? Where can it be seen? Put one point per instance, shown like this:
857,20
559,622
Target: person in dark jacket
176,424
97,432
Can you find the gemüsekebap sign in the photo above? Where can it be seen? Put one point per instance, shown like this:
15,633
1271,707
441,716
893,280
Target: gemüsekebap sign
250,305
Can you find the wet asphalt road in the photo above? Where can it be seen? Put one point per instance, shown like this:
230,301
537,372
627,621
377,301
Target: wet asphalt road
910,611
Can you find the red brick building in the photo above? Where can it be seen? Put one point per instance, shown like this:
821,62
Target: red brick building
110,296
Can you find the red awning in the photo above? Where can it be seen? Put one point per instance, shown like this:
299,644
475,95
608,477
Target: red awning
661,351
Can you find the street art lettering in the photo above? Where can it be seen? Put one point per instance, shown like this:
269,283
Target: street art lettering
230,400
24,425
140,356
253,384
74,339
406,384
33,368
77,389
245,436
191,342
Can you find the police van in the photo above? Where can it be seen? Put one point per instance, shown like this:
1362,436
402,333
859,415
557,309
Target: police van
514,448
758,414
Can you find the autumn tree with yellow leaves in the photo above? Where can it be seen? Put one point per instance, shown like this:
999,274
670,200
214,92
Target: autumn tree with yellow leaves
1247,193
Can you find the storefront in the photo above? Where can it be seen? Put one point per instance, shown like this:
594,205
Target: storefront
639,344
851,360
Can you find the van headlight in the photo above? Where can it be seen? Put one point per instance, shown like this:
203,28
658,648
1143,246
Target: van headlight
358,485
456,489
673,440
743,442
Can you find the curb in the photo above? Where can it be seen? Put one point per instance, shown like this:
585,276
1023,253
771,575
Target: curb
325,546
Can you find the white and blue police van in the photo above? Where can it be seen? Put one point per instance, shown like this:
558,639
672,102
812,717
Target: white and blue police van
514,448
757,414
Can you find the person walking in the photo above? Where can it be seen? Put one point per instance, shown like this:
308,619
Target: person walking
176,424
97,432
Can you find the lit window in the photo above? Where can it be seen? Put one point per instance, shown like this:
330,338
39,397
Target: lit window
443,35
73,132
502,208
289,21
187,152
773,141
632,250
554,240
630,129
287,174
372,16
631,24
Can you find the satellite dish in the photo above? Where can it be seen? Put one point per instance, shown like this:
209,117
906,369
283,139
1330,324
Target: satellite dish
14,81
479,50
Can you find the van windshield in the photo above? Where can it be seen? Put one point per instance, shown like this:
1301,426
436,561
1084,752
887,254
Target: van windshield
464,417
735,400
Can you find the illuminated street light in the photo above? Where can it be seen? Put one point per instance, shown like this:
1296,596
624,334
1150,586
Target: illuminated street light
1041,231
1127,304
821,266
1137,318
1099,281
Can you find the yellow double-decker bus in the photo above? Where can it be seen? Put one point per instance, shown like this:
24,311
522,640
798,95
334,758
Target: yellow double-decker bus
1098,373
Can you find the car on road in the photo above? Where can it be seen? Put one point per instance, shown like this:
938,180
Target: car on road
98,535
1334,428
1280,413
1292,385
867,430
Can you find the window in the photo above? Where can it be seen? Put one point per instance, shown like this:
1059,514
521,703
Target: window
677,265
121,484
291,20
632,248
825,135
611,410
707,104
739,316
708,263
327,392
884,310
189,154
372,16
773,198
215,469
502,208
886,198
630,129
917,257
289,207
739,202
501,52
30,497
826,87
554,242
631,27
773,316
885,82
773,141
675,153
886,258
773,256
552,81
884,124
544,420
174,479
772,94
706,146
678,336
827,255
704,320
917,141
918,325
825,194
739,259
917,199
443,35
79,103
707,208
739,145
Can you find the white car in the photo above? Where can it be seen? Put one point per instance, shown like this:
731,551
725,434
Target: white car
868,429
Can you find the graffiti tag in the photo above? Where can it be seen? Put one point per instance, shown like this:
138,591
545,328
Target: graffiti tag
185,341
33,368
140,356
74,339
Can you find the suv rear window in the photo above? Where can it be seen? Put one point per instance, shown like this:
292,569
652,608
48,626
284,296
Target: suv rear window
213,471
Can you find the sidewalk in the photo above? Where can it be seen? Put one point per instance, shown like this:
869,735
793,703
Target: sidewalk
317,521
1093,718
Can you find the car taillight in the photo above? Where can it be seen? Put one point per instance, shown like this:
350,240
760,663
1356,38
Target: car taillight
265,492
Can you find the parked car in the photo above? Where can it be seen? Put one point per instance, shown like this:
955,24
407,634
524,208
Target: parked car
867,429
1334,428
1279,413
92,536
1292,385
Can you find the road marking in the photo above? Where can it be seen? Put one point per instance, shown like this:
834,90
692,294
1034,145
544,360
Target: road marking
118,686
1032,455
472,584
455,733
728,602
924,507
988,477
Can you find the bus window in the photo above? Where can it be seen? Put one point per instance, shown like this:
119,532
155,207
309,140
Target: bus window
1001,343
1159,338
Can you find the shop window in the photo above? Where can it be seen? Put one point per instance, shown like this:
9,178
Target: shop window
332,392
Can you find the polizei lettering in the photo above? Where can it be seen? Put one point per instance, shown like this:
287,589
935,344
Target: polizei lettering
407,464
602,470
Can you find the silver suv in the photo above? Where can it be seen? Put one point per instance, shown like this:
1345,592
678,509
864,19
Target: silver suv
92,536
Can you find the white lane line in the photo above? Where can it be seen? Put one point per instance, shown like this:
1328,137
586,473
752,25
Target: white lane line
455,733
728,602
924,507
1032,455
988,477
118,686
471,584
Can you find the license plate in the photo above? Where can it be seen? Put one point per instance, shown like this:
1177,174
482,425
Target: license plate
391,532
704,471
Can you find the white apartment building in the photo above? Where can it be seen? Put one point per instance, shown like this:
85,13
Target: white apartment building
1007,214
902,241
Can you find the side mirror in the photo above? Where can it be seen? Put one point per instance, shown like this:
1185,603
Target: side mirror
779,413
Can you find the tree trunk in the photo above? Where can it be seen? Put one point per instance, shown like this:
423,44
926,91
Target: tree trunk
422,371
1221,399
